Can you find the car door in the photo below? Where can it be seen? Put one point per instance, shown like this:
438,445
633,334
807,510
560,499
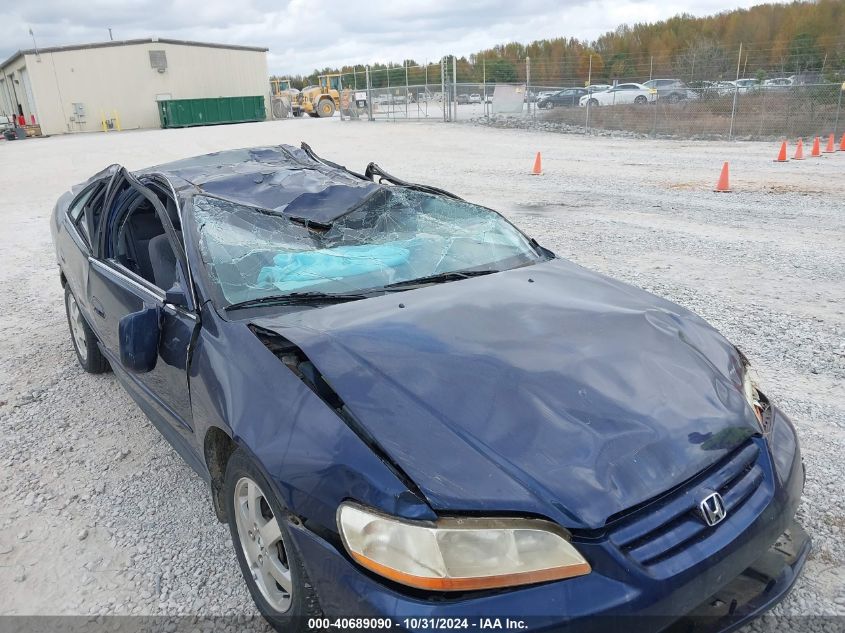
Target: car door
115,291
74,244
625,93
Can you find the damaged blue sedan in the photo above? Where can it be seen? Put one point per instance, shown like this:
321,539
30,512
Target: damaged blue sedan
410,413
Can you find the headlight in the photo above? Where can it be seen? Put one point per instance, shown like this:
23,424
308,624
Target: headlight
458,554
754,397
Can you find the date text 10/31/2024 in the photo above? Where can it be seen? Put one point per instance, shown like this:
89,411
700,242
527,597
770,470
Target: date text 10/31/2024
434,624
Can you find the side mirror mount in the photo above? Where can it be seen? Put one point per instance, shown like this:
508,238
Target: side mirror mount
176,296
139,334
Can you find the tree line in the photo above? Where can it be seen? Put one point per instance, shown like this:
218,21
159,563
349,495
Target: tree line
776,39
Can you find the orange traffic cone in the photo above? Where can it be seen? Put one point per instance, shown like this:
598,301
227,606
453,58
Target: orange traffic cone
816,149
842,144
724,184
538,166
799,151
830,147
782,154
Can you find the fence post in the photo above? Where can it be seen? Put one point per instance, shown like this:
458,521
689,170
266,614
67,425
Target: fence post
369,93
484,85
528,83
425,90
443,100
838,108
455,84
340,96
589,95
736,93
390,94
654,118
406,89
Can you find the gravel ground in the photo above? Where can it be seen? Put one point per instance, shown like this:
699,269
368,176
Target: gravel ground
100,516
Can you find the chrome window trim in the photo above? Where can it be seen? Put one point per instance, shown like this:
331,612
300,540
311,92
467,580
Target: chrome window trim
116,269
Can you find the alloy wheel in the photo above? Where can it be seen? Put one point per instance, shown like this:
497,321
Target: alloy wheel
262,544
77,328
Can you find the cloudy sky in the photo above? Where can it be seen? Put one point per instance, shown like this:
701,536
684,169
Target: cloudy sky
303,35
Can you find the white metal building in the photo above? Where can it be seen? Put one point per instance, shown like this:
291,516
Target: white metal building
77,88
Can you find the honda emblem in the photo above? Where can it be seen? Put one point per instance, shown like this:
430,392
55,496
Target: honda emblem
712,509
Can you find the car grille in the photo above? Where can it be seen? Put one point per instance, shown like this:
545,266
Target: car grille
664,532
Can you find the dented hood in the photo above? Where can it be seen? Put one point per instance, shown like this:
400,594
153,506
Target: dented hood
549,389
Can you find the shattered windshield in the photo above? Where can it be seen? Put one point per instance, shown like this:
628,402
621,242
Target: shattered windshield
397,235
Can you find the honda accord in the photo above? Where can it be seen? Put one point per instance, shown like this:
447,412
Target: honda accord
408,411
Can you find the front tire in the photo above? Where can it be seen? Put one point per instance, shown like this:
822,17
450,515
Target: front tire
640,100
84,341
269,560
593,102
325,108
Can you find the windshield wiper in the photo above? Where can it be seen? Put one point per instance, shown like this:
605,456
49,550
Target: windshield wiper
295,298
440,278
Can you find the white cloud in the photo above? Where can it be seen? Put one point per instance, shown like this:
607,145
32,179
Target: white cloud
303,35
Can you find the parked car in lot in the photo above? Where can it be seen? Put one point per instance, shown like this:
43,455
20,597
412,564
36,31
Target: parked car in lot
598,87
565,97
619,95
475,98
777,84
405,407
704,89
671,90
740,86
463,98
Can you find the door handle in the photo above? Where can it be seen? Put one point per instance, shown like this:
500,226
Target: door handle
98,307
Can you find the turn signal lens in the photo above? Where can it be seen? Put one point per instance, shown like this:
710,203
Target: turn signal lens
459,554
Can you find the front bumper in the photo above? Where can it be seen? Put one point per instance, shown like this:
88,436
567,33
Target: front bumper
747,570
755,591
598,606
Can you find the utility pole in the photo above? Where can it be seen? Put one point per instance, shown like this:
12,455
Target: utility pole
651,69
111,39
35,44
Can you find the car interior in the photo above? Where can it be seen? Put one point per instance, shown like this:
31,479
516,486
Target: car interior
138,239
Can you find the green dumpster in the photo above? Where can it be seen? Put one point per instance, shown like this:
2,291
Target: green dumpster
214,111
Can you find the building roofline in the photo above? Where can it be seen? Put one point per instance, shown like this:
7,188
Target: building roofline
147,40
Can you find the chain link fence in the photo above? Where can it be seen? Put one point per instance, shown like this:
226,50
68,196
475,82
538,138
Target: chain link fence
682,97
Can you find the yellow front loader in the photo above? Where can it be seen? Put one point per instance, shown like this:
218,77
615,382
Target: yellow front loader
324,99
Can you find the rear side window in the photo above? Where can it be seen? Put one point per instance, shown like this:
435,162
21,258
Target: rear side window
84,211
77,206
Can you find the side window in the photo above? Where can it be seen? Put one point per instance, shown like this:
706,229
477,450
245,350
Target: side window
84,211
75,209
139,243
